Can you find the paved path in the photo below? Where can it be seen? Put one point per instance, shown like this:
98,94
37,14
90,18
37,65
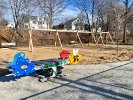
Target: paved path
83,82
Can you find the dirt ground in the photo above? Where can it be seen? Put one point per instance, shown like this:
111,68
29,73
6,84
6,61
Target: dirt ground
90,54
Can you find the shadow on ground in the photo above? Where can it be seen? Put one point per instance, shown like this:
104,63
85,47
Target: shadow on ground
97,90
4,72
9,78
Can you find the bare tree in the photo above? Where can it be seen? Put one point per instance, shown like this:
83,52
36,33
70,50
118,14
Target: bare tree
3,23
84,6
19,7
130,19
2,7
110,15
126,2
51,8
93,4
100,13
128,8
1,14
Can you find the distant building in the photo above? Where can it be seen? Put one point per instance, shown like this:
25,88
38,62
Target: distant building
99,30
11,25
73,24
36,22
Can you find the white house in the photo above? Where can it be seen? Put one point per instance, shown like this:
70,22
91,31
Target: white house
36,23
74,24
77,24
11,25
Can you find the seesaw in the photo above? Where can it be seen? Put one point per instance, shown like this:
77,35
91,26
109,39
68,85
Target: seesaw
45,69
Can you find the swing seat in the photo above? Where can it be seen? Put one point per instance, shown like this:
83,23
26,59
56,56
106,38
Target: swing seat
64,54
73,42
13,44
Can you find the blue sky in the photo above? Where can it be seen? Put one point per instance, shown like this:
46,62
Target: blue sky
70,12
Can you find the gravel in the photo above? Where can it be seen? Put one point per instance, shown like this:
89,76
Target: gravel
82,82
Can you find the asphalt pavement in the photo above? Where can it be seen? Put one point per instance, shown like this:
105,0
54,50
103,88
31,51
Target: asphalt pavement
82,82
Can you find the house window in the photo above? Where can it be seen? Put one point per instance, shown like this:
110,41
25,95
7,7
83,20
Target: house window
44,22
26,26
34,22
39,22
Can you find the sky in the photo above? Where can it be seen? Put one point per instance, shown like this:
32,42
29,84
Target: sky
70,12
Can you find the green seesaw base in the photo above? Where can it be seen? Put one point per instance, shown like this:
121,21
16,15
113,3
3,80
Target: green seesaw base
49,63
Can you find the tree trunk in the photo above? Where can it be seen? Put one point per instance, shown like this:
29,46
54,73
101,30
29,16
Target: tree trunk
124,33
50,23
125,22
93,4
89,27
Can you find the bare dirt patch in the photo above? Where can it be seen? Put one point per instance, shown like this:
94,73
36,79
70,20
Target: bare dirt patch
91,55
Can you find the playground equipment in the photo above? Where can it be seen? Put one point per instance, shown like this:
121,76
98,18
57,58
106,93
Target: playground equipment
64,54
45,69
75,57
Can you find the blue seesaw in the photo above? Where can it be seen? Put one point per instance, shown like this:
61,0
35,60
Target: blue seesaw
45,69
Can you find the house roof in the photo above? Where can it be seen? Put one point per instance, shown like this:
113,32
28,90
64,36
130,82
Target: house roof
66,23
70,21
27,17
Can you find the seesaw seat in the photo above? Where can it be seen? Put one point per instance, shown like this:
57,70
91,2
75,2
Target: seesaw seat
18,55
